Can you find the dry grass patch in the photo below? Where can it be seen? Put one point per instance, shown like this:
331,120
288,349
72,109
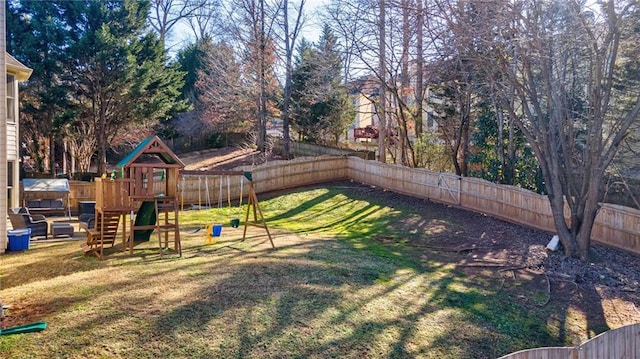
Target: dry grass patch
330,289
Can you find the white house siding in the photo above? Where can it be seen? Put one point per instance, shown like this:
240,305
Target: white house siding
12,142
3,130
9,130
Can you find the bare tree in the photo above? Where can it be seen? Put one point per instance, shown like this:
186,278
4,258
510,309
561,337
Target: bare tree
454,93
334,14
419,83
289,37
264,39
82,143
165,14
384,44
382,70
454,84
209,20
223,103
403,120
248,26
575,90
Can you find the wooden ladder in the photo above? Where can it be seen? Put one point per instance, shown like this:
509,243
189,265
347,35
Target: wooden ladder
104,232
167,222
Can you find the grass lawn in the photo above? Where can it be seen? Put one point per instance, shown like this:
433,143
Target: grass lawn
353,276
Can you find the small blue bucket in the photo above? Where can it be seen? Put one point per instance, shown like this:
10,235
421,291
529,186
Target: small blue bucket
217,230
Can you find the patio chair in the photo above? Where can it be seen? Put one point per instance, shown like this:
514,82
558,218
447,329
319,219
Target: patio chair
37,223
25,210
86,221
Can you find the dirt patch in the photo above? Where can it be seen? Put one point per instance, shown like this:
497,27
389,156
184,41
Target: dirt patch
606,288
225,158
20,313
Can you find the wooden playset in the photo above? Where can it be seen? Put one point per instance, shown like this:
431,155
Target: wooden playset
135,194
253,213
144,187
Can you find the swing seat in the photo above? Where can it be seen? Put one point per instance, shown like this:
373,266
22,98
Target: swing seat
213,232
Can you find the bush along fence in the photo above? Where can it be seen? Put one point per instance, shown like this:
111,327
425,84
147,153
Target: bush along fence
616,226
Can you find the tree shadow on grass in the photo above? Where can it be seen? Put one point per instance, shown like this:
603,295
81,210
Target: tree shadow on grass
42,262
355,297
280,307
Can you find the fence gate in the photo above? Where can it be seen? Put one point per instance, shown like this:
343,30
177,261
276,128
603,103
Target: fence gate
449,184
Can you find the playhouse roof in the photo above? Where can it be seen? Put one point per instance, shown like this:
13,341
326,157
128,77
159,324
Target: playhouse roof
151,152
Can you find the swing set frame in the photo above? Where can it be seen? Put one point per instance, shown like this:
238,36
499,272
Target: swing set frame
253,211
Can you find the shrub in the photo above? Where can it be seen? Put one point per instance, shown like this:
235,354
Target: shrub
84,176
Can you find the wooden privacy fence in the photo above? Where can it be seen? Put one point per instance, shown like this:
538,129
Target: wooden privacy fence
623,342
615,225
301,149
218,190
210,190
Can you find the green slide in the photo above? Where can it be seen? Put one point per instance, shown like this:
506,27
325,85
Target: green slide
27,328
146,217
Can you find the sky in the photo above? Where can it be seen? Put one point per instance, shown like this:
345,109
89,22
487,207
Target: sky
182,35
313,28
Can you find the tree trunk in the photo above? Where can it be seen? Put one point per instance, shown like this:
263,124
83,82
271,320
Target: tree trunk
290,36
72,153
52,155
285,119
404,84
262,116
502,176
102,140
419,68
382,133
287,84
64,157
460,150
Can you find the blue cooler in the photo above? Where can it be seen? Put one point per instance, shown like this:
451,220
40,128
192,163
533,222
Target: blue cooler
19,239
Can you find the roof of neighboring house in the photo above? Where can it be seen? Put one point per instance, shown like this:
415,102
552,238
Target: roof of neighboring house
367,85
16,67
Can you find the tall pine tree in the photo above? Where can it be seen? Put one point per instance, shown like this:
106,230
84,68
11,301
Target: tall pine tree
322,108
38,36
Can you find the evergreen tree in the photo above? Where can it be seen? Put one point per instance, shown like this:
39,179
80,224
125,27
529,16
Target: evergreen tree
191,61
119,71
492,161
37,37
303,95
322,108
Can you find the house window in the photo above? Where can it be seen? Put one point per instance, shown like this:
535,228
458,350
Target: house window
11,99
10,173
10,190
